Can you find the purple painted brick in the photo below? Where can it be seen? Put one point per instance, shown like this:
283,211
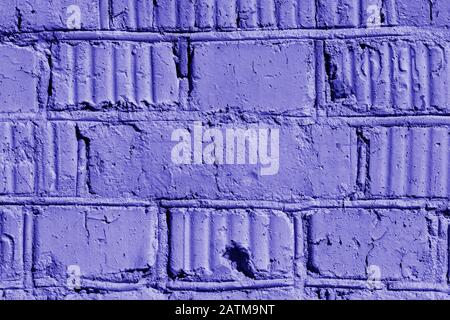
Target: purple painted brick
409,161
343,243
18,158
261,76
127,76
11,247
38,15
226,245
387,77
314,161
415,13
116,244
9,17
441,13
22,79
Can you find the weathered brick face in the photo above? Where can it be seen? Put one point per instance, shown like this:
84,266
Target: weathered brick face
220,149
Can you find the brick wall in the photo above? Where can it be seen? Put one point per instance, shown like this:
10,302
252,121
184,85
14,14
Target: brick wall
92,205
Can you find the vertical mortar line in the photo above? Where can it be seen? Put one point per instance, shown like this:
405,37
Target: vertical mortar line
320,77
28,247
390,164
409,162
429,77
36,158
429,167
134,71
114,73
152,74
93,81
75,77
56,154
12,132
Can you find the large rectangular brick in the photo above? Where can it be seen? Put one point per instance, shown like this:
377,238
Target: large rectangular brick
135,160
212,15
254,76
387,77
409,161
343,243
226,245
11,245
23,79
38,15
106,243
104,75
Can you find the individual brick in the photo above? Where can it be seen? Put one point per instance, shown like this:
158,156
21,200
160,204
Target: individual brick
106,75
38,15
355,14
116,244
315,161
343,243
188,15
134,14
226,245
17,158
11,246
387,77
254,76
23,78
63,160
441,12
414,13
409,161
134,160
9,17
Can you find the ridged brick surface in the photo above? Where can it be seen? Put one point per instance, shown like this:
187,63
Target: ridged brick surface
353,204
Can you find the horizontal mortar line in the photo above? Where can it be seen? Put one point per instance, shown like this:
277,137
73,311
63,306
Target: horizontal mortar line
414,286
397,120
231,285
308,204
90,116
319,34
94,284
63,201
340,283
299,205
397,285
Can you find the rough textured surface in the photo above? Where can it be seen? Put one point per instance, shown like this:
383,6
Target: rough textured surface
337,189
